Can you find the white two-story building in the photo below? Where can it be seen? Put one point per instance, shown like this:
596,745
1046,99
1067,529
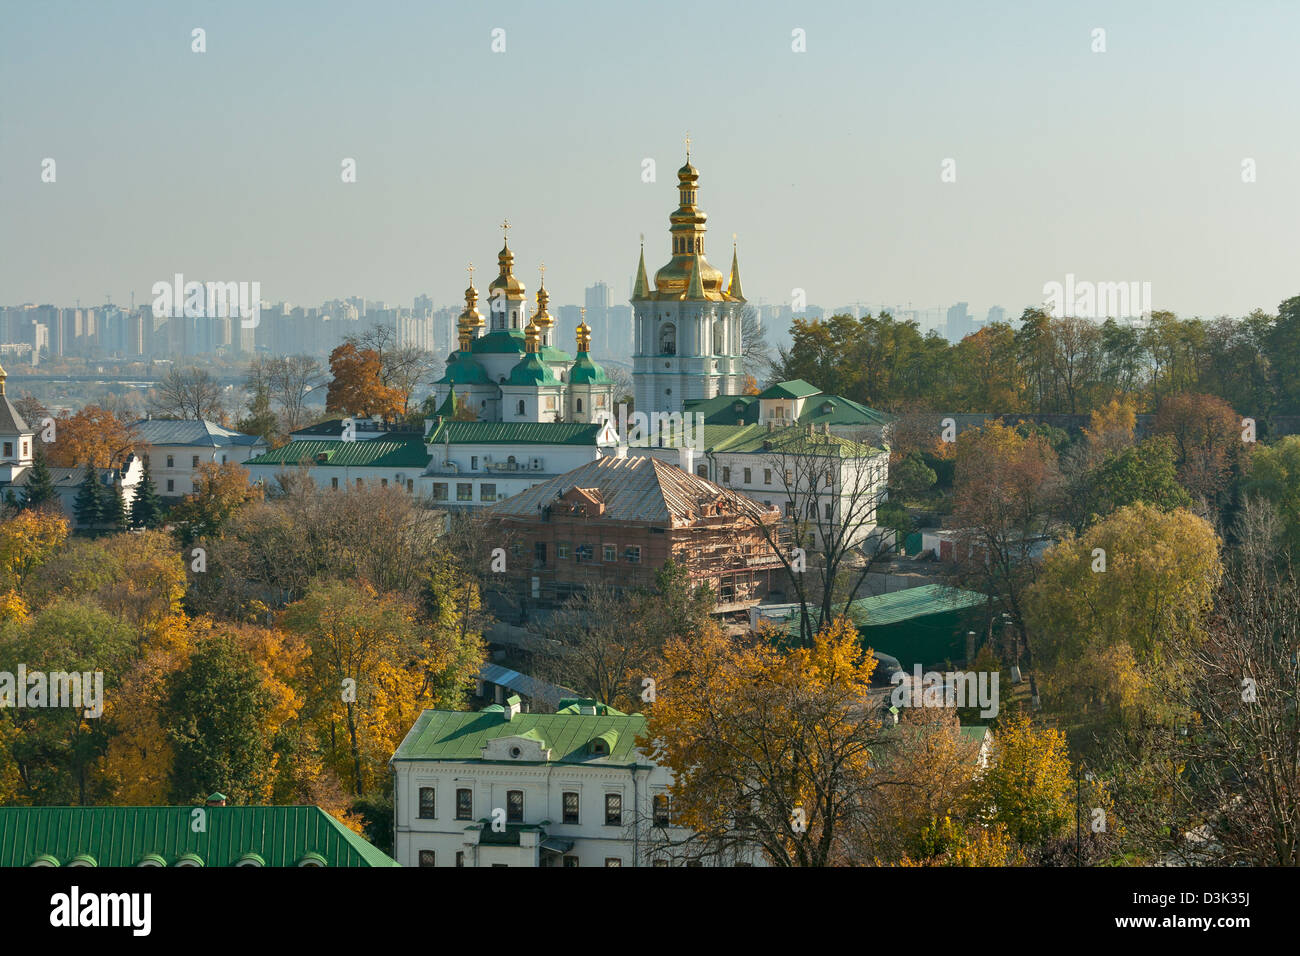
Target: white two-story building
499,787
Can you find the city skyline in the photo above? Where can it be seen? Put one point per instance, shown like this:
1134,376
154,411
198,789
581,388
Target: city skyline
831,173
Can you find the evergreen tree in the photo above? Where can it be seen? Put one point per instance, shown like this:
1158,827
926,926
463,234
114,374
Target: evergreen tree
86,507
113,506
146,510
40,485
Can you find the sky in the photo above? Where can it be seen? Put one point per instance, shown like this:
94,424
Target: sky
1123,165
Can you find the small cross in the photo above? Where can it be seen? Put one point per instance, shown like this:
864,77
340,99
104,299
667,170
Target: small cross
541,267
583,310
688,144
471,273
505,227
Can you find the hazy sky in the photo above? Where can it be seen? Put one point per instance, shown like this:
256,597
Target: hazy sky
1117,166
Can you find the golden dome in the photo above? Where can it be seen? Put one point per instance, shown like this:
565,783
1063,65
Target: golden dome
687,229
541,318
531,336
584,334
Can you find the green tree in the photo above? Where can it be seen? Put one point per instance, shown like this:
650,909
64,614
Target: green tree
216,708
1027,786
1275,476
88,505
146,509
40,485
113,503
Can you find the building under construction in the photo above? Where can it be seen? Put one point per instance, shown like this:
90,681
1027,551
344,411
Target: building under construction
617,521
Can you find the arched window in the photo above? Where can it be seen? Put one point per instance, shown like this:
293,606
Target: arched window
579,406
521,406
668,340
717,337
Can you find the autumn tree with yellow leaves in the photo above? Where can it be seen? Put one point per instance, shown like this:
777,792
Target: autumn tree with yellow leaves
770,749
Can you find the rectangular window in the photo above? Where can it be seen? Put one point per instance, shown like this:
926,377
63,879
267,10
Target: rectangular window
726,476
583,553
428,803
426,858
570,806
487,492
171,461
334,482
171,485
767,476
464,804
9,449
570,861
787,478
562,550
613,861
194,461
460,857
358,482
828,509
634,554
464,491
611,552
749,475
613,809
223,459
473,462
514,806
439,491
410,484
662,809
539,552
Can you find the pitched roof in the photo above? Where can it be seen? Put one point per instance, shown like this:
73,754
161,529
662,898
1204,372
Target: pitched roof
538,433
912,603
795,388
398,451
11,423
818,410
123,836
632,489
164,431
457,735
756,439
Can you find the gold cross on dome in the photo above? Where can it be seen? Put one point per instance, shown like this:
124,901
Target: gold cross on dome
471,273
688,144
541,267
505,227
583,310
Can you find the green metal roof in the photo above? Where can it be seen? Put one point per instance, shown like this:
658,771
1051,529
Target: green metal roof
819,410
756,439
587,372
499,342
462,369
124,836
405,452
457,735
795,388
539,433
912,603
532,371
550,353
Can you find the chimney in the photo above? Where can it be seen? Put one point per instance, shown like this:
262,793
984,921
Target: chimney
686,459
512,706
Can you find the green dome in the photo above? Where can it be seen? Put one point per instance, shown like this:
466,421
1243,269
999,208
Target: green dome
532,371
500,341
587,372
462,369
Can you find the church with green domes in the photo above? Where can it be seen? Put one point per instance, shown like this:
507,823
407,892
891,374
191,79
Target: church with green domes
509,369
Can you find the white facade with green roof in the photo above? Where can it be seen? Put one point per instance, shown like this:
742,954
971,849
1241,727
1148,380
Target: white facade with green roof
499,787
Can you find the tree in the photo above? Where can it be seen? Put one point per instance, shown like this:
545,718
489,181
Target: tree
87,507
260,420
287,381
216,709
39,491
92,436
357,387
829,540
219,491
1027,787
114,516
1143,473
1110,428
27,541
146,508
1275,476
756,355
768,749
191,393
1006,487
1206,435
911,476
1110,610
401,367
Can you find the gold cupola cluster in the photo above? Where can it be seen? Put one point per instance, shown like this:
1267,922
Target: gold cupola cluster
688,275
506,280
470,320
584,334
541,318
